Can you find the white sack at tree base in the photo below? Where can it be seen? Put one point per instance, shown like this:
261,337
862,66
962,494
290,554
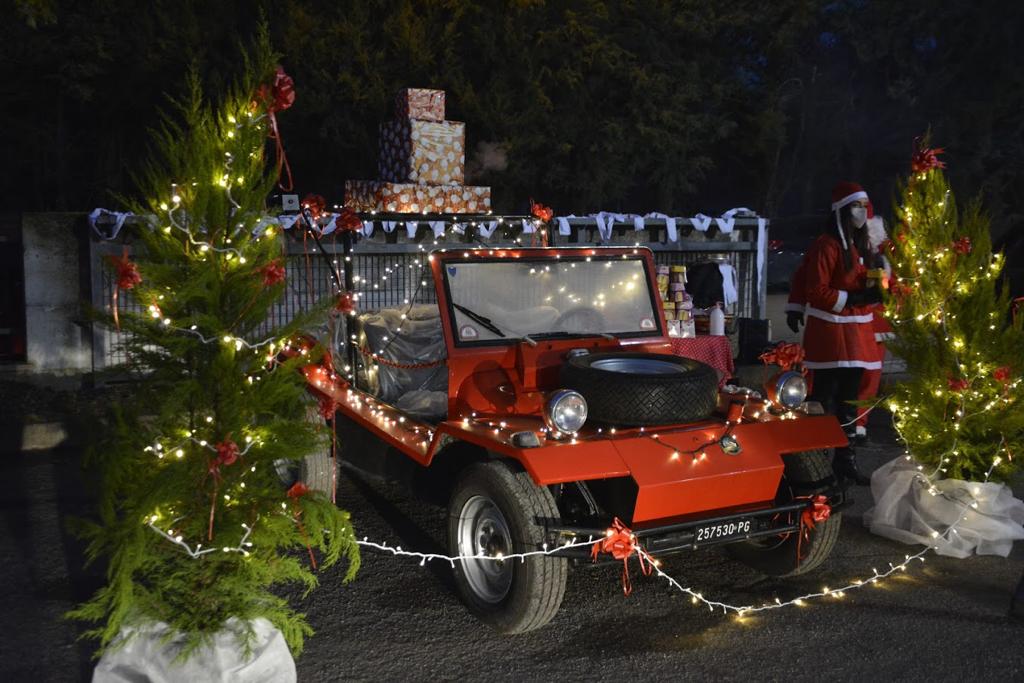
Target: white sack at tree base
905,511
146,658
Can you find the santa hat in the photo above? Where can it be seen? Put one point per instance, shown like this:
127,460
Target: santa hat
845,192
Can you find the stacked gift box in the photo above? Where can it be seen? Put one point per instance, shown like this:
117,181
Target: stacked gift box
421,163
678,304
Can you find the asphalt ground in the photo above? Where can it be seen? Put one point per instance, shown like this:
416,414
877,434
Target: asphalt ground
946,619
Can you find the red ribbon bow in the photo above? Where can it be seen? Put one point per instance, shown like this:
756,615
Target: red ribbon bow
127,277
315,203
785,355
297,491
621,544
1001,374
348,220
818,511
962,245
925,159
278,96
273,273
541,212
346,303
957,385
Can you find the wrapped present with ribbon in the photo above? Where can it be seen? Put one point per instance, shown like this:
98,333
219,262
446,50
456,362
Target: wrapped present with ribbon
415,151
424,104
376,195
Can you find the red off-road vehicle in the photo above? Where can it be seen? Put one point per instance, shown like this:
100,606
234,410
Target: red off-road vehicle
539,399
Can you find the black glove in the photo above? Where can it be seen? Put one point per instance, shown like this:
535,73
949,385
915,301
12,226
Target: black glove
869,295
794,319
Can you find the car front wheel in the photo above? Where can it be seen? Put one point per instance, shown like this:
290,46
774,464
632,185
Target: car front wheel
496,512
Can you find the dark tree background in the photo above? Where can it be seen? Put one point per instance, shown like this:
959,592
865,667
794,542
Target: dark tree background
636,105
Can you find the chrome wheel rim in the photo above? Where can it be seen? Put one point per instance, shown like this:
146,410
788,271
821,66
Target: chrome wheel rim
644,366
483,532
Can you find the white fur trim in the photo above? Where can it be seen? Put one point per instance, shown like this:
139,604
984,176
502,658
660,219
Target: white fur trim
829,317
861,430
876,232
842,235
841,301
794,308
849,199
828,364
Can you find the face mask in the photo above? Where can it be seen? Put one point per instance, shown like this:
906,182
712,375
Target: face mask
859,214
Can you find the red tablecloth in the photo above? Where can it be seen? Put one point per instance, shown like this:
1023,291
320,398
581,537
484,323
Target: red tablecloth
713,350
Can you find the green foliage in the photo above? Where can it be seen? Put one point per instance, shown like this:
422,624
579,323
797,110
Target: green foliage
960,411
202,275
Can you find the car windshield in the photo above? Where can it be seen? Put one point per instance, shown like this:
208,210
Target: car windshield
496,300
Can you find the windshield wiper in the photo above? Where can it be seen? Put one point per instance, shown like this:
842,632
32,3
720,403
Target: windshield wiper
565,334
486,322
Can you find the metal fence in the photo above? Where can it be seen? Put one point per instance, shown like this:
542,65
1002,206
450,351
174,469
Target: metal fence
389,269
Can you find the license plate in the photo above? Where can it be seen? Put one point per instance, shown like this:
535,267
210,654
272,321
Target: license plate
722,531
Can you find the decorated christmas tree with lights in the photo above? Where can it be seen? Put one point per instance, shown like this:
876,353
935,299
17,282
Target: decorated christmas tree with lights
195,522
960,411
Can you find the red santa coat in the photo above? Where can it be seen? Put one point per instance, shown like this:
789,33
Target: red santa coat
836,335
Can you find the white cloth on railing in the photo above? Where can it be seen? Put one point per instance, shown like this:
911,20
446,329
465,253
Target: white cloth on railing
437,227
701,222
486,229
762,252
671,233
910,509
389,226
730,292
367,228
563,224
411,227
459,228
606,222
119,219
528,226
638,223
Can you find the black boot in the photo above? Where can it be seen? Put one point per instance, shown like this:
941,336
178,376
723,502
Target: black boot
1017,603
844,463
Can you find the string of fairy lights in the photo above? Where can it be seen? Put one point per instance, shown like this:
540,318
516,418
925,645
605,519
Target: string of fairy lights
365,286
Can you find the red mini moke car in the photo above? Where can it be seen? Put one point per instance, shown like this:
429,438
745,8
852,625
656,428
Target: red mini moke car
539,401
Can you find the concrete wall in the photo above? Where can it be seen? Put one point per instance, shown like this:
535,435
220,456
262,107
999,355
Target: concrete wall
57,340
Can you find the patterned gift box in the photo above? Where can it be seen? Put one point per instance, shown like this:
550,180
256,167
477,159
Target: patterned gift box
376,195
420,103
429,152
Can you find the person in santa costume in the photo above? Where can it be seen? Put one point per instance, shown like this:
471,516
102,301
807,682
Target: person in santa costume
838,335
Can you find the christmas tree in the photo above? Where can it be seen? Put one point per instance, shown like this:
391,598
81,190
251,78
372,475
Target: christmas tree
194,520
960,410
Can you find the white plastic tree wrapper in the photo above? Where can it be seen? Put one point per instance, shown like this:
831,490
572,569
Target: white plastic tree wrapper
906,511
146,657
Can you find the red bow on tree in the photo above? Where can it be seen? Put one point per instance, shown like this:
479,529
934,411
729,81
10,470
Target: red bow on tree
957,385
786,355
273,273
925,159
962,245
315,203
621,544
348,220
346,303
278,96
1001,374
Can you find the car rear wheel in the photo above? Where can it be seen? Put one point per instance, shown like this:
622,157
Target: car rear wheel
316,469
805,474
497,511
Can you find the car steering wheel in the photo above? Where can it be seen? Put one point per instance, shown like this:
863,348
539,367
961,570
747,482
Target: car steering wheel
588,320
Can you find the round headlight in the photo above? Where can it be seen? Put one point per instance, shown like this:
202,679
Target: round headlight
790,389
566,411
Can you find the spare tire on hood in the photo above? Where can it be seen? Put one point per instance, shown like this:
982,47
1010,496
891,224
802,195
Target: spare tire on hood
642,389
